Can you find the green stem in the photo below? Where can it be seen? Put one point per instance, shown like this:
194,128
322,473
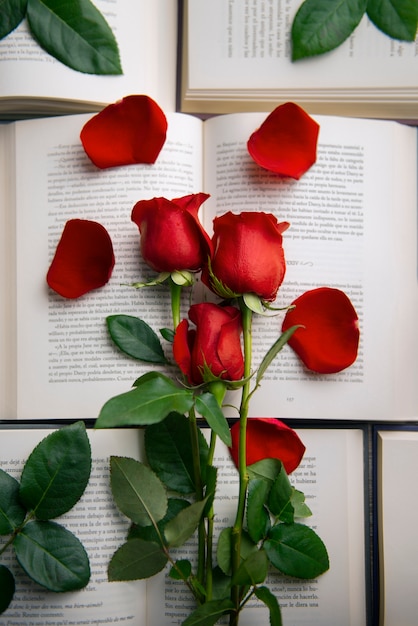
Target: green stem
242,459
175,291
194,436
218,389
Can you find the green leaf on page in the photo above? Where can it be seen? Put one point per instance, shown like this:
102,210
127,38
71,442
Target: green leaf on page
322,25
52,556
135,338
396,18
12,13
75,33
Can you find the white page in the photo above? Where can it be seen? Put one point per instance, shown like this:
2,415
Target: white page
146,36
67,365
353,226
98,524
332,477
398,468
252,52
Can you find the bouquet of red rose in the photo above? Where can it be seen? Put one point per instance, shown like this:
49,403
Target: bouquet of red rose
170,498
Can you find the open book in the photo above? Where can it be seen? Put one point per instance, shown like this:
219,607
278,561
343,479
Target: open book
33,82
396,470
353,226
237,56
338,517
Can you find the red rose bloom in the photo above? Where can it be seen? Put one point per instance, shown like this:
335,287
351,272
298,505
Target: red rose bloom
269,438
248,254
213,345
329,337
83,259
286,141
172,238
132,130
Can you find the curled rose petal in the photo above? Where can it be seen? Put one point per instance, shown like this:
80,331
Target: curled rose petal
328,341
269,438
132,130
286,141
83,259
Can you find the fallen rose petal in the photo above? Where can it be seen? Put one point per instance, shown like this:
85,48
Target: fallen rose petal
83,260
328,341
132,130
269,438
286,141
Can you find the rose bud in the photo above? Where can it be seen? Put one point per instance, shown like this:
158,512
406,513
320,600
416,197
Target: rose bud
213,348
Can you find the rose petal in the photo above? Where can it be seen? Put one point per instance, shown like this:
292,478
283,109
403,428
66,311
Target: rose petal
182,346
132,130
269,438
83,259
328,341
286,141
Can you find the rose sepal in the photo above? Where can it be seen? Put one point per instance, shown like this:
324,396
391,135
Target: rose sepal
274,350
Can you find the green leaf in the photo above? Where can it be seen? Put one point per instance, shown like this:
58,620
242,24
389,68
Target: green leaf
396,18
208,407
301,509
169,452
12,13
267,469
52,556
224,548
221,584
253,570
321,25
168,334
274,350
7,587
57,472
148,403
258,519
137,491
136,559
264,594
149,533
209,613
12,513
136,338
296,550
75,33
181,528
182,570
279,501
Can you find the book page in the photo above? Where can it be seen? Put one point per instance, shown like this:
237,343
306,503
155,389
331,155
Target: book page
98,524
397,514
146,36
332,479
67,365
352,226
7,274
252,52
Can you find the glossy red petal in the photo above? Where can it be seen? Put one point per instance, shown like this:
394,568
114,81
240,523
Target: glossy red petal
83,259
328,341
132,130
269,438
182,349
286,141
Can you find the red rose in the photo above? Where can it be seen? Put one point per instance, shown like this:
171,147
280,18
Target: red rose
83,259
286,141
213,345
172,238
328,341
248,254
132,130
269,438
